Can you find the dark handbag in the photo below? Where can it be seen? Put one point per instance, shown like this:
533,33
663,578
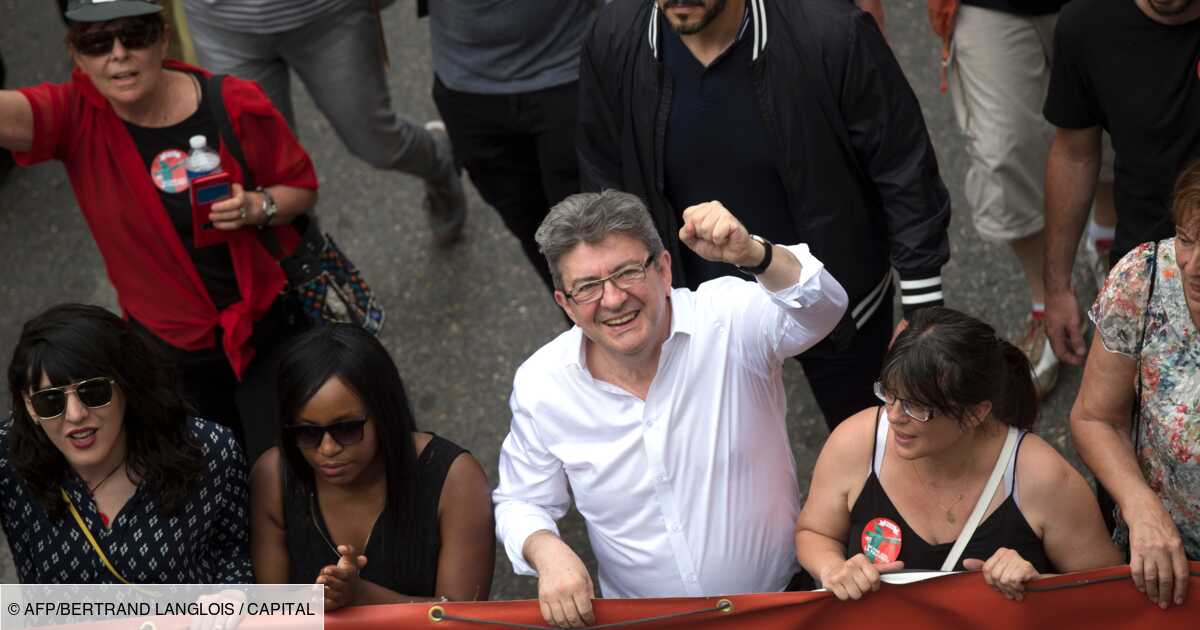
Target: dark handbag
321,280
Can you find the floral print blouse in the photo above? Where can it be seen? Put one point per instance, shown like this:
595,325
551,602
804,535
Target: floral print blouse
1169,433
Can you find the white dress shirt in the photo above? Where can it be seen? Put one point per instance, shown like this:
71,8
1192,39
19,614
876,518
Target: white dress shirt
691,492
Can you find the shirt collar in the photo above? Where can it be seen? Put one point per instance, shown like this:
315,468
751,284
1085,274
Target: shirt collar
755,18
683,321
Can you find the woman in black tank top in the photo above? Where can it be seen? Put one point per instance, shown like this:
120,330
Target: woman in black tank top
354,497
895,486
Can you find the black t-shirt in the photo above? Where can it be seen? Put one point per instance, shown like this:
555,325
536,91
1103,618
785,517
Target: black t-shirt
1116,68
164,151
717,148
1021,7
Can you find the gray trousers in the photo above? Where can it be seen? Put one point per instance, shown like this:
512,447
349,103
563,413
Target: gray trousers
339,60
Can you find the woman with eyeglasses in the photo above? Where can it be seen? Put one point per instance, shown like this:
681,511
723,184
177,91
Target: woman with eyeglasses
895,486
203,285
356,498
104,477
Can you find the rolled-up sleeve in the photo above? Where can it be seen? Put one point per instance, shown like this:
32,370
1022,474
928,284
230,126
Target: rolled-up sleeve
805,312
533,492
770,326
55,114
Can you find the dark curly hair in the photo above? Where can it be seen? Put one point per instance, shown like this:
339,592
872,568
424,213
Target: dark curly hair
71,342
948,361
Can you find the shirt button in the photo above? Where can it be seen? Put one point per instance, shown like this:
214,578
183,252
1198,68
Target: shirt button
662,478
691,577
675,527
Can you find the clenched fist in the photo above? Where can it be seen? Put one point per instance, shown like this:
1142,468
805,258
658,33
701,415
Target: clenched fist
711,230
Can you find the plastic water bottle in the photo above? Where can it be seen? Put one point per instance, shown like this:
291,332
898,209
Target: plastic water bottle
202,160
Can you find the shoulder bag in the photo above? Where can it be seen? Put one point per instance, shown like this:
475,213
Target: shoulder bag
326,286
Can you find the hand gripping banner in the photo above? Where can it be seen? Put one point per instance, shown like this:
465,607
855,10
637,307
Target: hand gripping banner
1105,598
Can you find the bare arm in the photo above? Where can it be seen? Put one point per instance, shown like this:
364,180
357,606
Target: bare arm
1057,501
839,476
1072,169
825,519
468,537
268,542
16,121
1100,427
468,546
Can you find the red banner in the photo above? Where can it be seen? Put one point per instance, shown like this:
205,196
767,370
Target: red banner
1095,599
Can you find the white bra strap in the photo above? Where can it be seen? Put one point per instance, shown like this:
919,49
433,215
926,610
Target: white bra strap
881,433
989,491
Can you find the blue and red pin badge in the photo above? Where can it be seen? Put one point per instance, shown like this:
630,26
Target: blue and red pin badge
881,540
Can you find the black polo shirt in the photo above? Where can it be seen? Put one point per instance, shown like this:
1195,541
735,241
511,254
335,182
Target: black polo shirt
717,148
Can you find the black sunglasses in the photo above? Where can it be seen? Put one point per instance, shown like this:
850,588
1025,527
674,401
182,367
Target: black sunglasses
134,33
51,403
345,433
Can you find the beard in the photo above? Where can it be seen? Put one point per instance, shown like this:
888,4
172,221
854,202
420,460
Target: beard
687,28
1169,8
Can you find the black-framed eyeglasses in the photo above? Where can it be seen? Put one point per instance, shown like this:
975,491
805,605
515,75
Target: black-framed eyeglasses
345,433
624,278
910,409
51,403
134,32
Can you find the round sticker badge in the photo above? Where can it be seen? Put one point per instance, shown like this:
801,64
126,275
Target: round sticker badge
169,171
881,540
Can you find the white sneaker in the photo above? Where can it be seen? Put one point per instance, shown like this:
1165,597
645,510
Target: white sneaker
445,201
1096,261
1042,362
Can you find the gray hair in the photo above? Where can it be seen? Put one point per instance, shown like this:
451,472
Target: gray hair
588,218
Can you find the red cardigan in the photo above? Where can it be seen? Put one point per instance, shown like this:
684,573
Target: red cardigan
155,280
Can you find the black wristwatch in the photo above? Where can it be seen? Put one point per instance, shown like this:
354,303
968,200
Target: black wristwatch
761,267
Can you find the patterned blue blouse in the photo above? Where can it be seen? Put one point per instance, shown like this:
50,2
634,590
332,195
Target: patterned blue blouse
205,541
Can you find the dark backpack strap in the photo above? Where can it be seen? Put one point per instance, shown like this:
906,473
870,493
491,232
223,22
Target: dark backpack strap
1137,398
216,105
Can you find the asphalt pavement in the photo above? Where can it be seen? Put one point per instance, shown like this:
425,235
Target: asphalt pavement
461,320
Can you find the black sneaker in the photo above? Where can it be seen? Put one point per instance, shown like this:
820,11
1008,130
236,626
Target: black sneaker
445,200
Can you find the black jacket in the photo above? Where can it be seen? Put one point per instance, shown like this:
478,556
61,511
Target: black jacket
853,152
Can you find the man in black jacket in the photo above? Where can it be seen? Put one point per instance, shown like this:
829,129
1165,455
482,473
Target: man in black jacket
797,117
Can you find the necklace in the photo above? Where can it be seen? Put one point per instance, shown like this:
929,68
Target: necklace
92,491
312,510
950,518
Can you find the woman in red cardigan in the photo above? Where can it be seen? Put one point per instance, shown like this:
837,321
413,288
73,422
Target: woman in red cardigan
121,127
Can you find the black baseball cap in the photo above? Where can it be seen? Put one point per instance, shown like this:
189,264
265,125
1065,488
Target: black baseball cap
105,10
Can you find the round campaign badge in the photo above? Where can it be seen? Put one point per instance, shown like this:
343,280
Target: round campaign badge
881,540
169,171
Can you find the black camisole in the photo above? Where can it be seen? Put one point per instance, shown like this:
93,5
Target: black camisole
1004,527
406,565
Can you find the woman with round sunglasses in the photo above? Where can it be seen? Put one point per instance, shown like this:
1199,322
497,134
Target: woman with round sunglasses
895,485
205,286
356,498
104,477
